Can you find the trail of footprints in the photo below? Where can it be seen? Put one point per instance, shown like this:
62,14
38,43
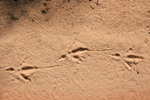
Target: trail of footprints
129,59
25,71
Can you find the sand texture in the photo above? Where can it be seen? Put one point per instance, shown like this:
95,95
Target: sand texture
74,49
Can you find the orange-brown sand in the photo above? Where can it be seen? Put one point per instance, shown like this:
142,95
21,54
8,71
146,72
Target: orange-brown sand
74,49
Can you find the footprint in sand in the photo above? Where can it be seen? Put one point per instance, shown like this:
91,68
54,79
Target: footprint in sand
129,60
24,73
75,55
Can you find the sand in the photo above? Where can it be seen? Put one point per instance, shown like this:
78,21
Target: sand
74,49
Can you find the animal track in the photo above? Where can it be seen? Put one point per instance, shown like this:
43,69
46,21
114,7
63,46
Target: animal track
129,60
75,54
132,59
25,72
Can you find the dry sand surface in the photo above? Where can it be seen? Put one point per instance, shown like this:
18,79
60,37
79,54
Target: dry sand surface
74,49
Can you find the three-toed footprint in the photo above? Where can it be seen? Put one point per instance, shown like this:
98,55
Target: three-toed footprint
24,73
75,54
129,59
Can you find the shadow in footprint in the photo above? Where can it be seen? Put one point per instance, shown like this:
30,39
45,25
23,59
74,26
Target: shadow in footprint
80,49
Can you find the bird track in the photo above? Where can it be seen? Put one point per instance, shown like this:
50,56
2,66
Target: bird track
79,54
26,71
75,54
129,60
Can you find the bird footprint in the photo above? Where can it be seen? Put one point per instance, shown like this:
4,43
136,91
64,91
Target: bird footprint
24,73
129,60
75,54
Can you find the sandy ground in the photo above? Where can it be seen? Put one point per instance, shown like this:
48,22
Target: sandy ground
74,49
